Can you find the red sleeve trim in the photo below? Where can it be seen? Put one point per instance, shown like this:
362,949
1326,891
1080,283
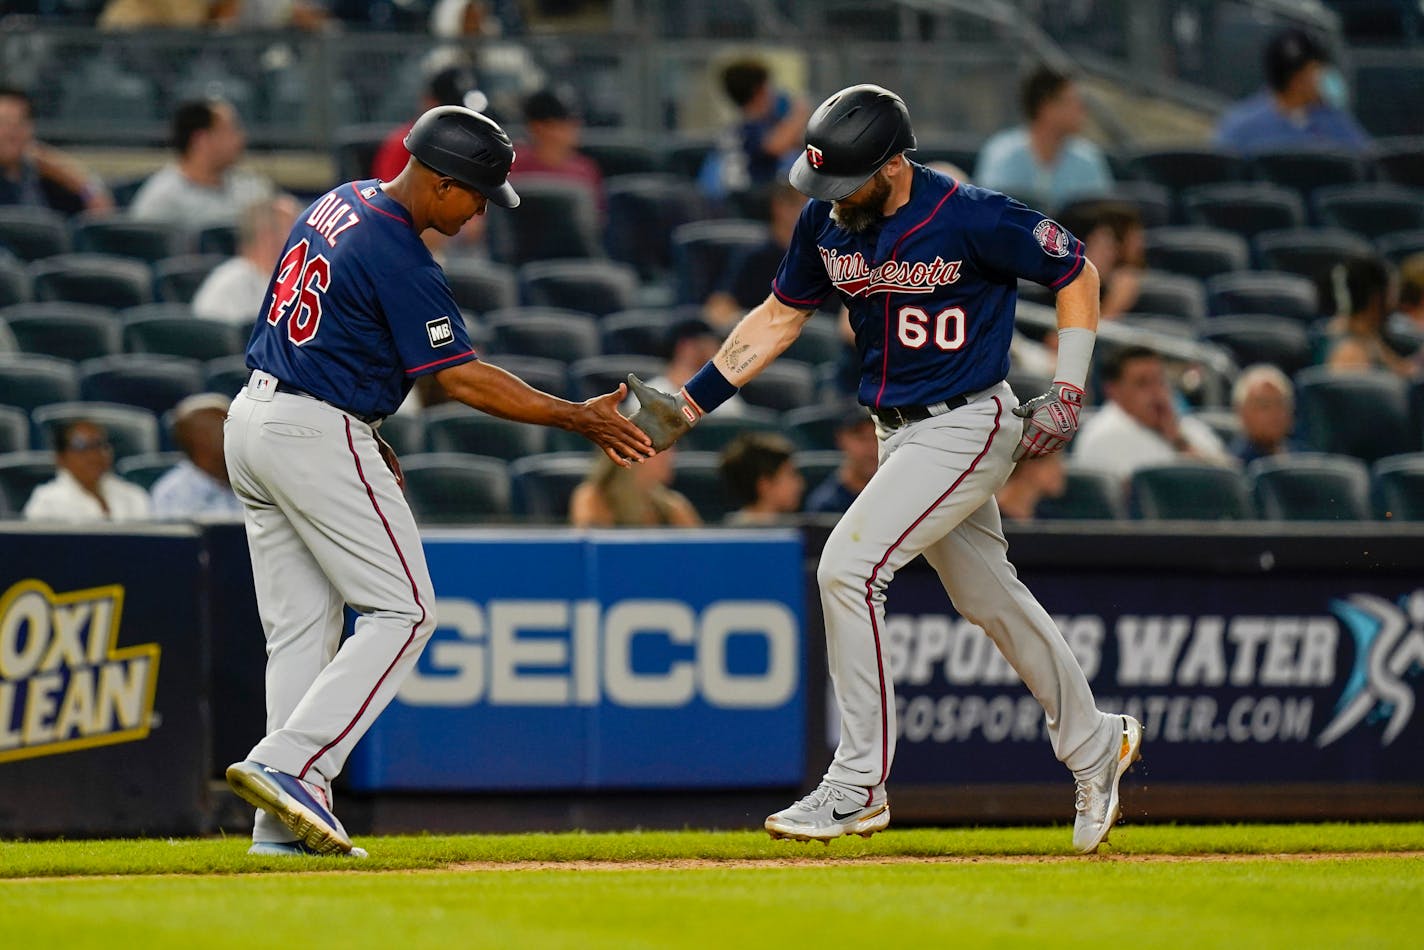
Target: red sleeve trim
793,301
448,359
1074,271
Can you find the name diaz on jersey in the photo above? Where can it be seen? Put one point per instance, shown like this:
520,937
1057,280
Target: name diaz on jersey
854,277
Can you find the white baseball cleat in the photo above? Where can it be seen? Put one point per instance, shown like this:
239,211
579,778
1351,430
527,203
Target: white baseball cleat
832,811
299,805
296,849
1097,797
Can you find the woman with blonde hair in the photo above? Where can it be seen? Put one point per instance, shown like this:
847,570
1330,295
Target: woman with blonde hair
637,497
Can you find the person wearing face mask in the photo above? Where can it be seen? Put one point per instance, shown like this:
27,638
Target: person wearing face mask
1303,106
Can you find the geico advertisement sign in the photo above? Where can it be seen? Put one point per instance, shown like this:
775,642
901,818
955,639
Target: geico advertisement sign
65,684
583,653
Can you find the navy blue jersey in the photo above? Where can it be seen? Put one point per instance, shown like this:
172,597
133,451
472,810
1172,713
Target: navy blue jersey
932,288
357,308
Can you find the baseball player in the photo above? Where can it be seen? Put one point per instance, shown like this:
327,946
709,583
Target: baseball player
928,267
357,309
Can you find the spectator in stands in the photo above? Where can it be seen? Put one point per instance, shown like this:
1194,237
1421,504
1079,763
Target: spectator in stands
197,485
761,478
1032,480
37,175
1409,317
1113,239
1046,162
748,277
860,456
638,497
452,19
768,135
553,127
1303,106
1140,425
149,14
1363,292
84,487
448,83
203,187
1264,400
688,346
272,14
236,290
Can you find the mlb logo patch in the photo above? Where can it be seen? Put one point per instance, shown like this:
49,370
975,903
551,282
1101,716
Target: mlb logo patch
368,193
1052,238
440,331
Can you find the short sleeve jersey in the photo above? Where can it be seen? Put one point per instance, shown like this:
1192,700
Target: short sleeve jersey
357,308
932,288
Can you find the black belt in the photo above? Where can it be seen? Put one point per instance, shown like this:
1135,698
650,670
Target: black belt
291,390
893,417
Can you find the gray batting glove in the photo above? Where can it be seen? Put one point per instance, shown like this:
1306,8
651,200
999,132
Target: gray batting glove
663,417
1049,420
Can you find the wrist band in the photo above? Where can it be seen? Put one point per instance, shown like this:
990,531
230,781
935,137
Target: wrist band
1075,352
709,388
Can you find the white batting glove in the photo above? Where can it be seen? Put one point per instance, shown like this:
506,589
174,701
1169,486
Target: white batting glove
1049,420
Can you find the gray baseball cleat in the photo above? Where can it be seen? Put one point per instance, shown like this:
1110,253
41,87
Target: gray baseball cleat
299,805
1097,797
832,811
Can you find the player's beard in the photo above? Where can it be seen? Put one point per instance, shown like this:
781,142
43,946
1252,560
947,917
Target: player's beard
866,210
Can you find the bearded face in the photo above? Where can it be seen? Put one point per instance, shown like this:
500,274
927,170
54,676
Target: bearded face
863,207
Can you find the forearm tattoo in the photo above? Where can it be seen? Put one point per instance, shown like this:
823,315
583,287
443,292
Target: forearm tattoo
738,354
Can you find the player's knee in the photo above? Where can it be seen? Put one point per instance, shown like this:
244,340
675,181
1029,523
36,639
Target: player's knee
834,574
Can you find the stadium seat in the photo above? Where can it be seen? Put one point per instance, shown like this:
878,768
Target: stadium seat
602,374
813,428
21,473
1310,252
69,331
14,430
815,467
1310,487
1401,160
593,286
643,332
539,372
1373,210
155,383
14,280
1396,247
32,233
712,433
702,251
820,342
543,484
643,212
1308,169
121,236
99,279
556,219
445,488
564,335
1182,168
178,278
1245,208
1364,415
28,381
458,428
480,286
1196,252
618,152
173,330
1087,495
1273,292
1172,294
686,154
1262,338
782,386
226,375
1399,482
698,476
354,148
1190,491
1162,323
218,239
405,432
144,470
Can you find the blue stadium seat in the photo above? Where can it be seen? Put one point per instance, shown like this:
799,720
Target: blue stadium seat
619,152
156,383
226,375
1309,252
14,280
99,279
1087,495
564,335
549,375
1262,338
1190,491
698,476
712,433
32,233
132,431
29,381
480,286
1396,247
1244,208
446,488
702,251
1175,295
14,430
781,386
405,432
556,219
820,342
122,236
643,213
1331,407
1373,210
69,331
21,473
593,286
458,428
1310,487
1196,252
178,278
1401,160
1182,168
1272,292
1308,169
544,483
1399,484
642,332
173,330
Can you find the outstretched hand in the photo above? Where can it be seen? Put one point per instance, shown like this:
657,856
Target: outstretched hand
662,416
599,421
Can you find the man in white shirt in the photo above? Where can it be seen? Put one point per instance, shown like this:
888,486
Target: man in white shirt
197,485
202,187
236,289
1139,426
84,489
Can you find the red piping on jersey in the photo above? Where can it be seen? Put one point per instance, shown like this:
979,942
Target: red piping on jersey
870,588
786,298
447,359
414,589
1076,269
368,204
885,361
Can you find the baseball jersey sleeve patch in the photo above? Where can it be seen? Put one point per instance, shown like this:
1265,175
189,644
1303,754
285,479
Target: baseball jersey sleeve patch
441,333
1052,238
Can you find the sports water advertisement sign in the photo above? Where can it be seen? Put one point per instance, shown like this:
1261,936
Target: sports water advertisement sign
1235,679
607,660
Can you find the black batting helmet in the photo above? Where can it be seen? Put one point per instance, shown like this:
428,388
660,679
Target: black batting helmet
848,138
471,148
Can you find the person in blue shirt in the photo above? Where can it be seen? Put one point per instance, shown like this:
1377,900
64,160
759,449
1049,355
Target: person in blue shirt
1302,106
198,485
765,139
357,310
1046,162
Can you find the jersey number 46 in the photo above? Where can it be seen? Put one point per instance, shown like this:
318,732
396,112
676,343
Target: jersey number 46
915,328
301,281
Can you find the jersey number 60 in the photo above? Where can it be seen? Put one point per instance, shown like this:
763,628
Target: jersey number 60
301,281
948,328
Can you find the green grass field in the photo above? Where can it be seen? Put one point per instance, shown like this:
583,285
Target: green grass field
1255,886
